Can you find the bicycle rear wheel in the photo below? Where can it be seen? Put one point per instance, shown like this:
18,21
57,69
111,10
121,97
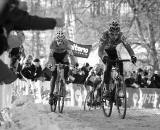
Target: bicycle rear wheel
106,104
121,99
61,96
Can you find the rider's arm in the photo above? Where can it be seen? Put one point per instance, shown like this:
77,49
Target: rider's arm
70,53
103,42
127,46
21,20
101,49
51,52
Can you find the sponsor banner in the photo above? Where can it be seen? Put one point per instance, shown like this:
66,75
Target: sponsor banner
143,98
81,50
79,95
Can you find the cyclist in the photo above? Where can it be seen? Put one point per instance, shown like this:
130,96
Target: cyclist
94,79
60,52
107,51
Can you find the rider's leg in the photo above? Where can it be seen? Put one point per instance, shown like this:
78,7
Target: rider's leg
66,69
107,75
121,68
53,78
121,73
52,87
52,83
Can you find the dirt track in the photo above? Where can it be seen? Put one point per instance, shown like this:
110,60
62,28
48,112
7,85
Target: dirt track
38,117
135,120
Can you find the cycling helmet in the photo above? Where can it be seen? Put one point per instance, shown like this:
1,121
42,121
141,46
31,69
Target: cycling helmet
60,35
114,27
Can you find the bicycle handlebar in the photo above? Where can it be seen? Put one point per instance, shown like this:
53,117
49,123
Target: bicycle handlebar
63,65
123,60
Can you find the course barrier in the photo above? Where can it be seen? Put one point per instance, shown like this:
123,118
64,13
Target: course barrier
136,97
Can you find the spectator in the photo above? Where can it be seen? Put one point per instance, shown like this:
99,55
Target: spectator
32,70
145,79
37,69
27,69
15,55
131,81
46,74
139,78
85,71
75,69
19,69
155,80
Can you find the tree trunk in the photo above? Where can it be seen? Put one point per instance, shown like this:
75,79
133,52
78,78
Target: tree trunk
98,8
153,47
37,44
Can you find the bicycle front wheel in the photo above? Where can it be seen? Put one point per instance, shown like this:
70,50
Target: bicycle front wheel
106,104
87,103
121,99
61,96
53,105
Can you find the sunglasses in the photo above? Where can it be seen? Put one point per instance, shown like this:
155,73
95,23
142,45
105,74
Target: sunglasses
114,34
60,41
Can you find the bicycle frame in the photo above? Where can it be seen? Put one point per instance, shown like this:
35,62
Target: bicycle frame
60,74
116,70
117,92
60,89
115,74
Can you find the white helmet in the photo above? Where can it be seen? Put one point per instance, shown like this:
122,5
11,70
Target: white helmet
60,35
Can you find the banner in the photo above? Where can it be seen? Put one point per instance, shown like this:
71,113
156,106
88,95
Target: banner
136,98
81,50
79,95
143,98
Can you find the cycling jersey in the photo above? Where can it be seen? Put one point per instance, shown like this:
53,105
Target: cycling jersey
65,46
108,45
60,53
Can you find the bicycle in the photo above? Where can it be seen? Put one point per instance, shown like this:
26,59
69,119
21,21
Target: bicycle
117,90
91,101
60,87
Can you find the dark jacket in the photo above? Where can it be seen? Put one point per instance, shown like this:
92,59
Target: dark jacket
37,72
32,72
28,71
155,81
15,19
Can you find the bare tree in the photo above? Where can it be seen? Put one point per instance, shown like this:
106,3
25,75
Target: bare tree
146,18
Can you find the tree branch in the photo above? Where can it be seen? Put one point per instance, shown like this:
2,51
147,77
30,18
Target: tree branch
118,4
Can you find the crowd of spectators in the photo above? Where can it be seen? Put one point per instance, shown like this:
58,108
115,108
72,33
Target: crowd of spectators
143,79
26,67
78,74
